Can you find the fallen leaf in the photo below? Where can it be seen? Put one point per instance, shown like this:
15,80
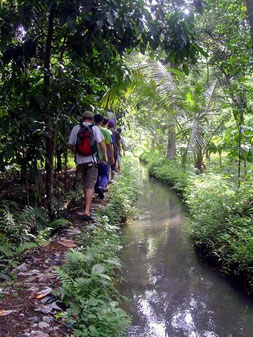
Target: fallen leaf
44,293
67,243
43,325
22,267
6,312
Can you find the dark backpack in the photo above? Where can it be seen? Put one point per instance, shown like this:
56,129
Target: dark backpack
85,143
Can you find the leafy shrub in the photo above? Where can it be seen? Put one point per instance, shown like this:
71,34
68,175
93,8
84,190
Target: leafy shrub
22,230
168,171
21,226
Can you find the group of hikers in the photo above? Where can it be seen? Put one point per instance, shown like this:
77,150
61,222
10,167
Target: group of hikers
97,147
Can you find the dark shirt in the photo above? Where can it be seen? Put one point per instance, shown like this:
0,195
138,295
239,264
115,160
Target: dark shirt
115,139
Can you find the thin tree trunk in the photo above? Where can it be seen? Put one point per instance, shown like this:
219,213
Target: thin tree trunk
245,167
59,160
65,168
249,4
240,134
171,148
51,136
199,163
239,103
239,153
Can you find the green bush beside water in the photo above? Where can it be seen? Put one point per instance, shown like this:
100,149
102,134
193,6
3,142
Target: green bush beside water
221,216
88,277
171,174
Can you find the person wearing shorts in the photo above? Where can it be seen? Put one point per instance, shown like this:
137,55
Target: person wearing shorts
87,165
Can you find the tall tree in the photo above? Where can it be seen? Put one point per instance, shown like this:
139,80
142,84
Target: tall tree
249,4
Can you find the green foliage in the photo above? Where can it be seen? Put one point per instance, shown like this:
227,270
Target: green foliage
21,231
168,171
88,285
59,223
222,223
21,226
122,194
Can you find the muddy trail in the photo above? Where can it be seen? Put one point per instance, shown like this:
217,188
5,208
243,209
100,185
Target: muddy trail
28,307
172,293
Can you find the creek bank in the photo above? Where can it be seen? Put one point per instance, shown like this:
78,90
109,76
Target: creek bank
50,315
221,222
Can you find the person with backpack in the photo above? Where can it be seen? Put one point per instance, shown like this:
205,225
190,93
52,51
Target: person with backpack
103,168
83,141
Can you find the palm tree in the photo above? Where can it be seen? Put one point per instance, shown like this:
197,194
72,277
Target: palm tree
154,85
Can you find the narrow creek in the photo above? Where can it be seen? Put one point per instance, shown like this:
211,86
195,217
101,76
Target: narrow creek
171,292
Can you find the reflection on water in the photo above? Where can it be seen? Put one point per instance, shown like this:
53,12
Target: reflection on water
173,294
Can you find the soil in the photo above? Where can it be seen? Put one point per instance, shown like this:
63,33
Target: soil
30,301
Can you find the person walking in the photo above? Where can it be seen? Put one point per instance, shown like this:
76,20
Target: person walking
103,168
122,143
116,145
83,141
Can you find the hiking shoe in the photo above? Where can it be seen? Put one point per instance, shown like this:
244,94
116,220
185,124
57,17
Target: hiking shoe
87,217
101,193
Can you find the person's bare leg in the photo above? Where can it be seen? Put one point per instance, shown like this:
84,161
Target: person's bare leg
88,201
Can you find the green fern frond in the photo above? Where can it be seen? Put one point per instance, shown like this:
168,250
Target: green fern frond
25,246
64,277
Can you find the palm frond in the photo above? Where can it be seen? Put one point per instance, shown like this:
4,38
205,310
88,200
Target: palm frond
160,74
209,94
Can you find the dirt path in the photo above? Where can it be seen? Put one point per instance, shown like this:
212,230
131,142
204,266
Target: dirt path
33,307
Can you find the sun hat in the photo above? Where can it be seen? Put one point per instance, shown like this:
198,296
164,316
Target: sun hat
88,114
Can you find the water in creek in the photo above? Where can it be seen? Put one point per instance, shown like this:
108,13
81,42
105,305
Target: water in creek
171,292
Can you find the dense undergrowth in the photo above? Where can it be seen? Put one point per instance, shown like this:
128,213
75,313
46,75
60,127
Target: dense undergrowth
22,230
221,215
88,277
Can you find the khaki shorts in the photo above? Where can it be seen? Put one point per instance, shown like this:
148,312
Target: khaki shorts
89,174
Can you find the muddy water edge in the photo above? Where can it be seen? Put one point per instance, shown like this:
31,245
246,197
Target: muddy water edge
171,292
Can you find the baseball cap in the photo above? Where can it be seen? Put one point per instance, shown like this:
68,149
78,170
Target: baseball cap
111,123
88,114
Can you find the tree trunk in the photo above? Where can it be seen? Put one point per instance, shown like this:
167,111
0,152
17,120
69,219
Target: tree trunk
239,154
50,150
208,156
51,136
59,160
199,162
23,172
245,167
65,168
171,149
249,4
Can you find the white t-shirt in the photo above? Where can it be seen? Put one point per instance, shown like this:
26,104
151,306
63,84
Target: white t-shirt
73,138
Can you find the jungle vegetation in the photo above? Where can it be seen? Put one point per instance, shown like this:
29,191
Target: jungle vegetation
178,76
